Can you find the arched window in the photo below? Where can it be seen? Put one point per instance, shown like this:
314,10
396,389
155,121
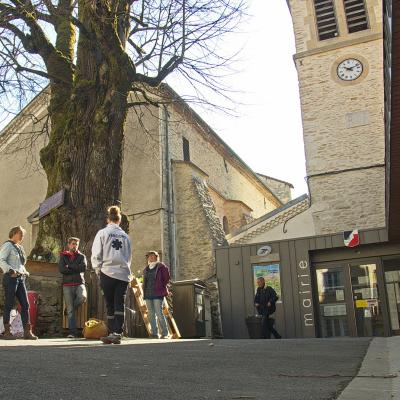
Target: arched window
225,225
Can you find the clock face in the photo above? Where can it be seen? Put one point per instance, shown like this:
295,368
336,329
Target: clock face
350,69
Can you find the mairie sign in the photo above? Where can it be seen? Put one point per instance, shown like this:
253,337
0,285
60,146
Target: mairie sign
52,202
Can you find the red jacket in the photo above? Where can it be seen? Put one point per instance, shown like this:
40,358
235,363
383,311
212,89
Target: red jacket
162,279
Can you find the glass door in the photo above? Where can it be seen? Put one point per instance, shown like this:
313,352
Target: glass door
367,305
392,283
332,285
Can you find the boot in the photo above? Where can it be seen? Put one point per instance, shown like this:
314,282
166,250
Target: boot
7,335
28,335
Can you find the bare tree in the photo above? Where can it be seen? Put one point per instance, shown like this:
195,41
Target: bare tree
93,54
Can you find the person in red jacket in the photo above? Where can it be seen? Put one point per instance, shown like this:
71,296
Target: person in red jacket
72,266
155,280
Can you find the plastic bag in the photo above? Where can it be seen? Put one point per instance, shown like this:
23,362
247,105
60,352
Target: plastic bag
94,329
16,328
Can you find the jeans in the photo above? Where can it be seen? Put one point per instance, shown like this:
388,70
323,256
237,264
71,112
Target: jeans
267,327
114,291
74,296
15,288
156,310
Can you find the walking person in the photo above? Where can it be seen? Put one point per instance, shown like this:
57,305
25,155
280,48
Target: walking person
72,266
12,262
265,302
111,259
155,280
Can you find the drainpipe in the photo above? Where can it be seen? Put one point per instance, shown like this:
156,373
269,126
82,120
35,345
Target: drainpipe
169,198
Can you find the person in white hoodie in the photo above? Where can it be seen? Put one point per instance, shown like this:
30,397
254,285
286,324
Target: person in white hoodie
111,259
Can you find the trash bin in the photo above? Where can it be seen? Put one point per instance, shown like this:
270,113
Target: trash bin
254,326
33,307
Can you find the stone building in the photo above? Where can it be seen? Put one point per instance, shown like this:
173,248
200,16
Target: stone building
183,188
330,286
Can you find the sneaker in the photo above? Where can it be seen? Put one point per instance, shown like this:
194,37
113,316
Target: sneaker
113,338
166,337
71,336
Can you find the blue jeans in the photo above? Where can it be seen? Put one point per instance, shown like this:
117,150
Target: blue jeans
15,288
156,313
74,296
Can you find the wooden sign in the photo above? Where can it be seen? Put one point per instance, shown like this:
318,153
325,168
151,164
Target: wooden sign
52,202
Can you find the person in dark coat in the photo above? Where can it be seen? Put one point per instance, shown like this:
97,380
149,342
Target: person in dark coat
265,303
155,280
72,266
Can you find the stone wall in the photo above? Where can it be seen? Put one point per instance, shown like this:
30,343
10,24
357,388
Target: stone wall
49,322
343,123
281,189
195,211
344,139
304,24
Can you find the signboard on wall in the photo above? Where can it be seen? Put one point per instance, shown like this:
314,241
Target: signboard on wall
52,202
271,274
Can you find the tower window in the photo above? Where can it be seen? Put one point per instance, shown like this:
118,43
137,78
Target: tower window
356,15
326,19
186,149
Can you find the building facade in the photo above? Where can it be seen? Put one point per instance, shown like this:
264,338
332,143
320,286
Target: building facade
183,188
328,285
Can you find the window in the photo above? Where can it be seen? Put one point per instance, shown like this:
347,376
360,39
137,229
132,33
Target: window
356,15
226,166
225,225
186,150
326,19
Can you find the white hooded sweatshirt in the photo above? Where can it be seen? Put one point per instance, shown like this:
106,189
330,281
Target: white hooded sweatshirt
112,253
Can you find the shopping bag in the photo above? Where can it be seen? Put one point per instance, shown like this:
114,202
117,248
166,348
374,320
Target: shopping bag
16,326
94,329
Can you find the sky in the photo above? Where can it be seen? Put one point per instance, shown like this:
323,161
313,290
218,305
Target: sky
267,133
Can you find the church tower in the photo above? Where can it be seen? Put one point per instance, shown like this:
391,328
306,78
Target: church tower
339,61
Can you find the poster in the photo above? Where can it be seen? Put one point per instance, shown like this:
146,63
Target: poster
271,275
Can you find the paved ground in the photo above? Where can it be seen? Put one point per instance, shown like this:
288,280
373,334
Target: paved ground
169,370
379,376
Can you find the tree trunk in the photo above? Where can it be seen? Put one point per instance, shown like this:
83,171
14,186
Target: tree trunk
84,153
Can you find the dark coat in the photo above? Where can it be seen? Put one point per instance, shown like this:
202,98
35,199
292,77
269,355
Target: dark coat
264,296
162,279
72,271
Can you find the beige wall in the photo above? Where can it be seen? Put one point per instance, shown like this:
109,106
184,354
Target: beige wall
142,184
23,184
281,189
236,212
229,181
343,122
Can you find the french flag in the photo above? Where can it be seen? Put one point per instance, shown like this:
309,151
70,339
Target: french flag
351,238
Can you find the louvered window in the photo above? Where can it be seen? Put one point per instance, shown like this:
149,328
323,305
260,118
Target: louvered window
326,19
356,15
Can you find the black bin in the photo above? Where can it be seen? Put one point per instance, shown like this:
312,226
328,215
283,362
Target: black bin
254,326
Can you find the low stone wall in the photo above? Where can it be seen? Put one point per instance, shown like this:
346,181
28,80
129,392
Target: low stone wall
44,280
